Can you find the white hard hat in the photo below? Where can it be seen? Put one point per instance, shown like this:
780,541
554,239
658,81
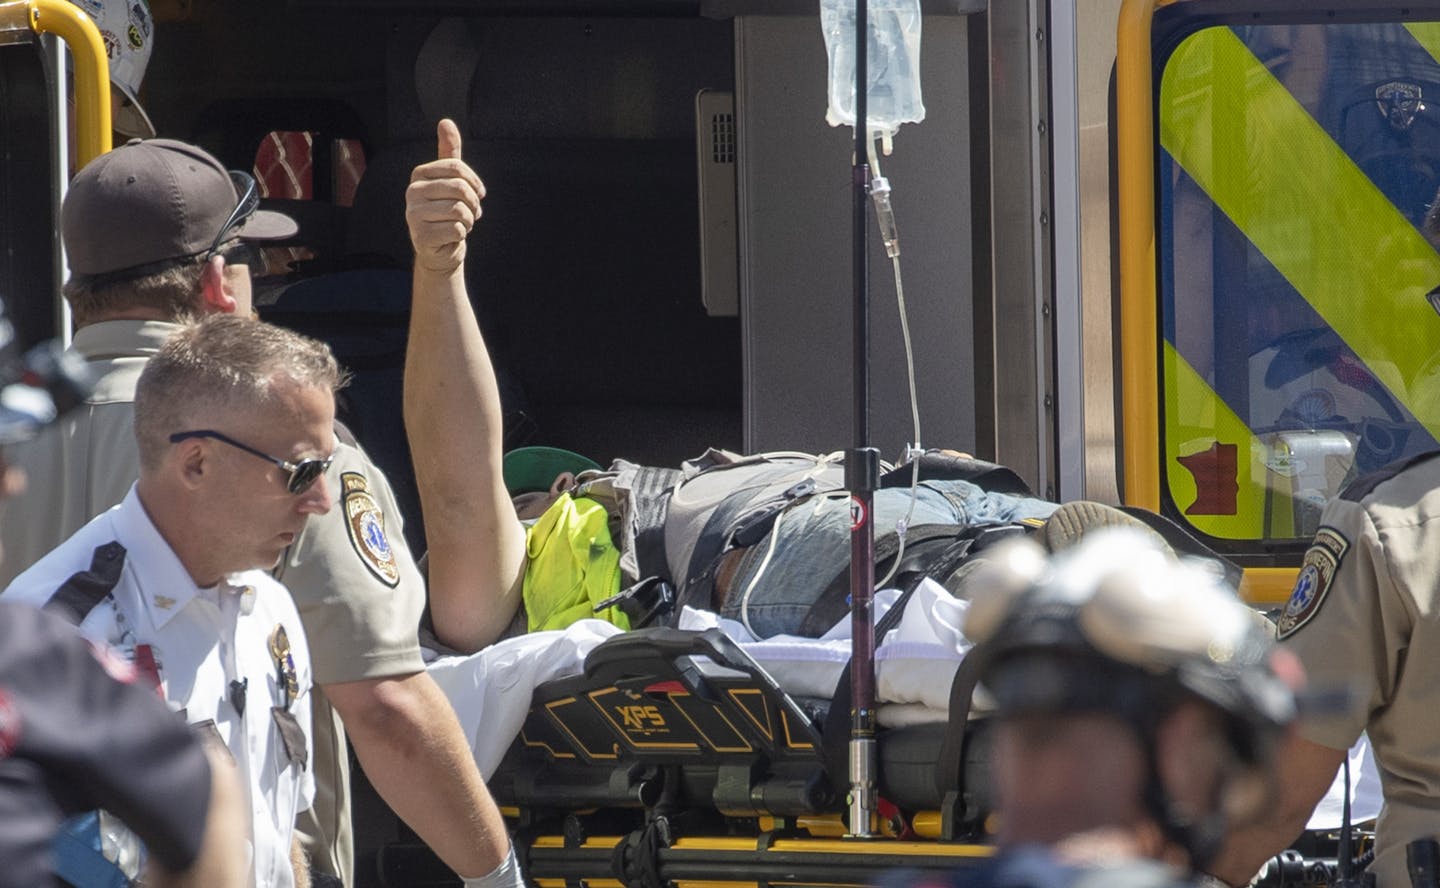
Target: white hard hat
127,29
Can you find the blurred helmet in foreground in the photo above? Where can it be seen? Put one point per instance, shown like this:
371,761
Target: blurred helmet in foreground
1118,625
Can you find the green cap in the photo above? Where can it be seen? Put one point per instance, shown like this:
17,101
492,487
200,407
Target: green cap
536,468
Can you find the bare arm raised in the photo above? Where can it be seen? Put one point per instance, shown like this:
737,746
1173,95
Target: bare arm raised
453,416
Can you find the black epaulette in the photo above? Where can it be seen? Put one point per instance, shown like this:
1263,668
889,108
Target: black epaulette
79,595
1365,485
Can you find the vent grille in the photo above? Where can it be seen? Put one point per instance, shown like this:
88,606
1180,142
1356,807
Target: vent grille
722,138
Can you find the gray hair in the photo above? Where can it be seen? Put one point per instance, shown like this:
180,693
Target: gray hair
218,364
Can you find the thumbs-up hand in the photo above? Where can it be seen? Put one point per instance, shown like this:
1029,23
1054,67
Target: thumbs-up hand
442,204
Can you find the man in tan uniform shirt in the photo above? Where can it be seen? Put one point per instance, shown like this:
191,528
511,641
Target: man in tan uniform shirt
1365,617
355,583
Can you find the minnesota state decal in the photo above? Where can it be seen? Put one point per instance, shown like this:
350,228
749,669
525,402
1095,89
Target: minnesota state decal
366,524
1316,574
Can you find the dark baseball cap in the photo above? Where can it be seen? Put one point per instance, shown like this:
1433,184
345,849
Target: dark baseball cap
155,199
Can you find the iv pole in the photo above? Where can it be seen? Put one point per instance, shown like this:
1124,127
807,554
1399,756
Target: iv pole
862,476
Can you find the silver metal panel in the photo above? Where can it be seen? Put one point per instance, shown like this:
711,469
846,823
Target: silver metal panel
56,51
1064,128
1095,59
715,167
795,248
1019,246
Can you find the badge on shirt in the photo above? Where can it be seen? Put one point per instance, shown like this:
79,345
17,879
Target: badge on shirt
366,524
286,680
1316,574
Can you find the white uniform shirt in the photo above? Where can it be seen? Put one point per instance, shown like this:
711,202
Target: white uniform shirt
204,641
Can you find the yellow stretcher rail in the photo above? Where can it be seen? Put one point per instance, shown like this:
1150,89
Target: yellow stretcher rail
739,861
92,68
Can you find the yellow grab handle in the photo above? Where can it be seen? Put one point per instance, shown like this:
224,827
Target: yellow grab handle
92,72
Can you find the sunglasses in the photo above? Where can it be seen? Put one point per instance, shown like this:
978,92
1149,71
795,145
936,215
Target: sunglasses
249,202
303,474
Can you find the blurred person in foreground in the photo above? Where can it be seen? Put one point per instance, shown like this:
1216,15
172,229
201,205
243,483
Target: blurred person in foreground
1138,704
234,421
76,732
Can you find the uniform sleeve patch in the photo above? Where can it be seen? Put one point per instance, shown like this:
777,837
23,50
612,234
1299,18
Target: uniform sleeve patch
366,525
1317,572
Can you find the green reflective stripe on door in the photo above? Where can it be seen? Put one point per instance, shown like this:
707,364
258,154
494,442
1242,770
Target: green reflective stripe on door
1305,205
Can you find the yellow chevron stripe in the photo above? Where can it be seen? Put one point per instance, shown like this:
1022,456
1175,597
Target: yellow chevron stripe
1195,419
1308,208
1427,34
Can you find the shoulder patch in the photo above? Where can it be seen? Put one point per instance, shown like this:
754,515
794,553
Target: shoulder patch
1317,572
1365,485
366,525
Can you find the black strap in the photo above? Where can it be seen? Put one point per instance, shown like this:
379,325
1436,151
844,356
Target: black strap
650,491
950,770
642,603
835,734
931,550
737,521
937,466
834,602
79,595
714,542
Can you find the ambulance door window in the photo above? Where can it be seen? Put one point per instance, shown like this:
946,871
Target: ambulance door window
1297,164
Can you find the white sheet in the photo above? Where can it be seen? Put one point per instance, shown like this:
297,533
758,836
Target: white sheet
491,690
915,663
1365,792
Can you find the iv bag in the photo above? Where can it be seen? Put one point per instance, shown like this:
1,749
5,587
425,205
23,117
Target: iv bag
893,60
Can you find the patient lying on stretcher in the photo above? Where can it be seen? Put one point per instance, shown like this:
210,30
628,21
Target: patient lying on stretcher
761,539
754,552
756,546
772,561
